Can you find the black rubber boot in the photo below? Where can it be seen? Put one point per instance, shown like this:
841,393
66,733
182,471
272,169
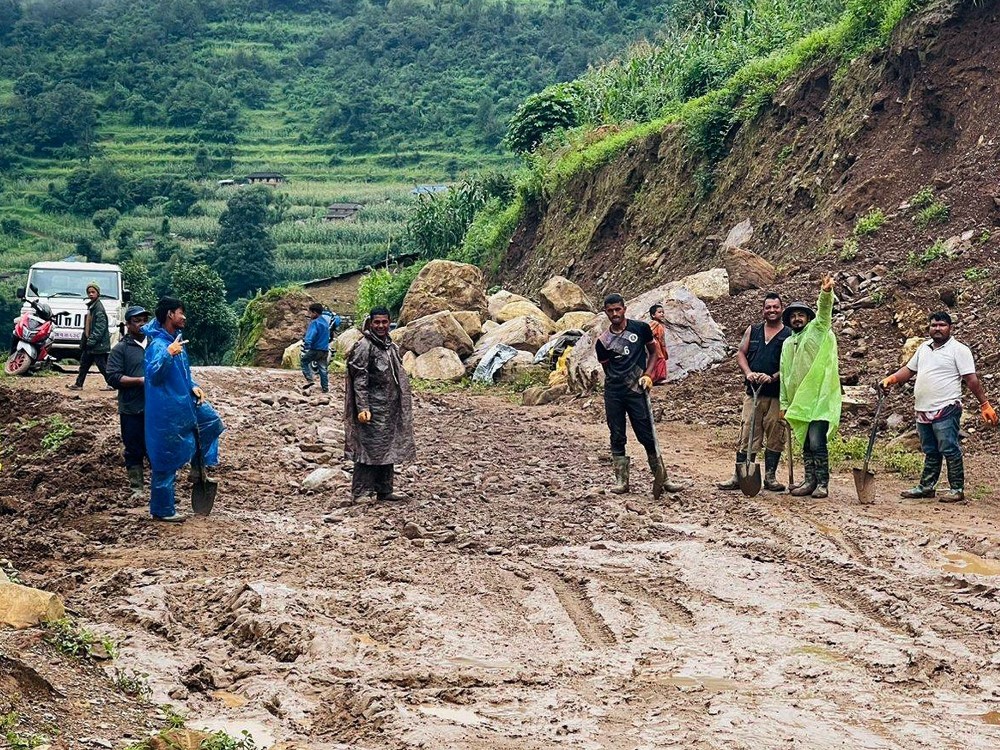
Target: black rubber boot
771,459
621,464
956,480
822,469
809,483
661,482
734,482
135,482
928,479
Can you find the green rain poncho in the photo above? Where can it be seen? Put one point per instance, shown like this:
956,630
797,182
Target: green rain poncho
810,376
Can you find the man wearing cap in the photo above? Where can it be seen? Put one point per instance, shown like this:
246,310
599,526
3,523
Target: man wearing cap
941,366
126,374
810,397
95,343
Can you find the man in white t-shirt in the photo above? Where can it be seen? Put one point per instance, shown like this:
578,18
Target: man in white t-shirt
941,366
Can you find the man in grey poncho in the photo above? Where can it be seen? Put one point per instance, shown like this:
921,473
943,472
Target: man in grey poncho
378,418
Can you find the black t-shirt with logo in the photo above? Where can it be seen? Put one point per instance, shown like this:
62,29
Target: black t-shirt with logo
623,355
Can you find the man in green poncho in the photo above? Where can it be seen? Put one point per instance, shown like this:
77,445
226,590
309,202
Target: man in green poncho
810,386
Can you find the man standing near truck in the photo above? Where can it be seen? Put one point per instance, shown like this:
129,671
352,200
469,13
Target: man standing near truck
96,340
126,373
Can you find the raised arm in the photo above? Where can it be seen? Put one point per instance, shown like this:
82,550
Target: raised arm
824,306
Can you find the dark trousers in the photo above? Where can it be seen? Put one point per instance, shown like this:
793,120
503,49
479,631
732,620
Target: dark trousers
815,453
134,438
86,360
371,479
619,402
940,440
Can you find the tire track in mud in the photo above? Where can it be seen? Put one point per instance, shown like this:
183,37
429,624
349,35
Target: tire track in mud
666,605
579,607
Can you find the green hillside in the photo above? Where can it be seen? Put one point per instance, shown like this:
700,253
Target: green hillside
353,101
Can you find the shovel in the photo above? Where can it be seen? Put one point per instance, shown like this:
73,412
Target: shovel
203,490
748,472
864,479
657,483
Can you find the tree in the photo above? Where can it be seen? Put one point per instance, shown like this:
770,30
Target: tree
88,250
105,220
244,251
136,278
542,113
211,324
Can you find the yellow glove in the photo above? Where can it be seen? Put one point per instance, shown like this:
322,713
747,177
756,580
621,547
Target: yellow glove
989,414
645,382
364,417
198,393
888,383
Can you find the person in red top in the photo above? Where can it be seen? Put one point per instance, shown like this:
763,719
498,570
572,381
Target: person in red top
658,317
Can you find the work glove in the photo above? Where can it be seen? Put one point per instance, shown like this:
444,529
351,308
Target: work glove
888,383
989,414
198,393
645,382
364,417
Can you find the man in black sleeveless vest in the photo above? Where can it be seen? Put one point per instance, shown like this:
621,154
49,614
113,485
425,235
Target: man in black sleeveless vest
759,358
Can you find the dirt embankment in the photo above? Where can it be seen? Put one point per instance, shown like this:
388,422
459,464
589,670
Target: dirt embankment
835,145
513,603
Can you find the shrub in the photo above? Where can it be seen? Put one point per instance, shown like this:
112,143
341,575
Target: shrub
923,197
933,213
849,251
870,223
935,252
373,291
553,108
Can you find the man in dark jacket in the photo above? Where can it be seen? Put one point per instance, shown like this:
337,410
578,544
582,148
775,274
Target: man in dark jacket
378,418
96,340
126,373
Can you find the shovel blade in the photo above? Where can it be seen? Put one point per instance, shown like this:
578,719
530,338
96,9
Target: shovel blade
203,493
864,483
748,475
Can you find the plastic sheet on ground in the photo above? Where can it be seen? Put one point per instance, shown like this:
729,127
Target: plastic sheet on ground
496,357
552,349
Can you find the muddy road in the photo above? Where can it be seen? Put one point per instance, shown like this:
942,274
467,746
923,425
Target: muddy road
513,603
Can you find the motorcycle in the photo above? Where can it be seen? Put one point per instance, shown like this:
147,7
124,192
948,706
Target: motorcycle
33,333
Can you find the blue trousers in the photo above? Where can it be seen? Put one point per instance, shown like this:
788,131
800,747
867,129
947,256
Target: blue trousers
319,357
162,496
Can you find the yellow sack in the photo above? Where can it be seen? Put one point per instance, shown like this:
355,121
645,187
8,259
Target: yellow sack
560,375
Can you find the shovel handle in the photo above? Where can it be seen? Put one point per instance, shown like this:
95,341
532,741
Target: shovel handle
871,438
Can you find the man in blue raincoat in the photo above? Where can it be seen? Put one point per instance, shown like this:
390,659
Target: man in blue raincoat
175,409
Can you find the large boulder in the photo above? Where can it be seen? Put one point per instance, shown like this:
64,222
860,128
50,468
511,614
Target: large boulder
439,364
525,333
523,365
272,321
496,301
431,331
707,285
409,362
444,285
25,607
522,307
471,321
574,320
747,270
694,340
347,339
292,358
559,296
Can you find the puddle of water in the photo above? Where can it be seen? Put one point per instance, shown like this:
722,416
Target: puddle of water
991,717
823,654
966,562
714,684
229,700
457,715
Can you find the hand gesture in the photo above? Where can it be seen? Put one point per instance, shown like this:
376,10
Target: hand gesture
177,346
198,393
827,284
364,417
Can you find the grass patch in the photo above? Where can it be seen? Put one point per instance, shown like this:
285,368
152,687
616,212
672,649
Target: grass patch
73,640
870,223
15,739
976,274
58,433
933,213
937,251
849,251
923,197
132,683
852,451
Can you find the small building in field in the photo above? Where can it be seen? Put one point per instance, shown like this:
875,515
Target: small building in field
265,178
342,211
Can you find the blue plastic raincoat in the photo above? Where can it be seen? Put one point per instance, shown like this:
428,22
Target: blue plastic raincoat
171,414
810,373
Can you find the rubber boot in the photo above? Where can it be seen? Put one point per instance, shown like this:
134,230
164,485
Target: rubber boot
734,483
621,464
661,483
809,483
956,480
135,483
928,479
822,470
771,483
